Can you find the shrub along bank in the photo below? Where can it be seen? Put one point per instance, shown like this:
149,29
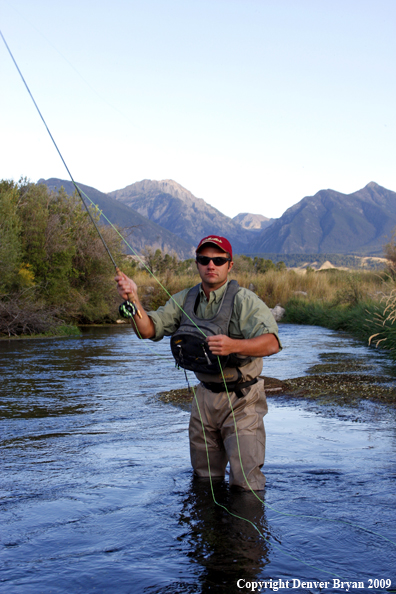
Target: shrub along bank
55,274
366,321
54,271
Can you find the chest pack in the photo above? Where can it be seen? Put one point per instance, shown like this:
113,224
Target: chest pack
188,343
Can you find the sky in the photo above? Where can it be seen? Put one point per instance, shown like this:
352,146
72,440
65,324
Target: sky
249,104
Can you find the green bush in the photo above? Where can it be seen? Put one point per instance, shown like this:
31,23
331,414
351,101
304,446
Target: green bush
51,256
364,320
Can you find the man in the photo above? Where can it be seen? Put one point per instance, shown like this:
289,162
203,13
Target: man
220,331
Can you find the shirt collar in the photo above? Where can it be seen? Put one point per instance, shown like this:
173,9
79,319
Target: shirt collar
215,296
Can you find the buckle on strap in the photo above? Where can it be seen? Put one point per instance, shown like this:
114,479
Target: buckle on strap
236,387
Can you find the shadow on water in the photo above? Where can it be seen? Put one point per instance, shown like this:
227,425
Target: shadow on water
222,542
227,544
97,495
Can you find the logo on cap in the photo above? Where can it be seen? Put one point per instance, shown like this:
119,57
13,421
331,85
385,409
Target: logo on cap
221,242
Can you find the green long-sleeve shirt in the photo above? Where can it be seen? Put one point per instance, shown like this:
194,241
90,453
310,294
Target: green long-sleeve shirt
250,316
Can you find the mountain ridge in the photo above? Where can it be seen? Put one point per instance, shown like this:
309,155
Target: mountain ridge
173,219
178,210
140,231
331,221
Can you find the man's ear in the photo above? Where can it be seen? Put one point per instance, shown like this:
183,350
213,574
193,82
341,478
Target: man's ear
230,265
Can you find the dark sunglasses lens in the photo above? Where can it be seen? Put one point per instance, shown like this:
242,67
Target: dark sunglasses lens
218,261
204,260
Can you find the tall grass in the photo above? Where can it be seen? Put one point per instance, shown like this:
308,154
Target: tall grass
359,302
279,287
384,318
335,287
356,319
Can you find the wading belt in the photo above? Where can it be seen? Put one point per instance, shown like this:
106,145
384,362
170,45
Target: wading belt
236,387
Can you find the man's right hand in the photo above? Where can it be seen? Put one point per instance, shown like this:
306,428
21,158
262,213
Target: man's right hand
126,287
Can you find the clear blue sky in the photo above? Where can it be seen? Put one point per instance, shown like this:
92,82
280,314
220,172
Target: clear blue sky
249,104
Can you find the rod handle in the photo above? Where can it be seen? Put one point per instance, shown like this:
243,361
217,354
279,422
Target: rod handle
131,296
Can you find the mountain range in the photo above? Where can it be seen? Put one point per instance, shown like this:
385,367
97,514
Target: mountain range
332,222
173,207
164,214
137,229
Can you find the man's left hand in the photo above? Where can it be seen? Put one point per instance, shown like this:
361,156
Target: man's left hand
221,344
259,346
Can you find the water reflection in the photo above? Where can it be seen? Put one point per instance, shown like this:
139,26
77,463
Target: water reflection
226,544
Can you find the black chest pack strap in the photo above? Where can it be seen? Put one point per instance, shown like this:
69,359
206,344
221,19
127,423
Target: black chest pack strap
236,387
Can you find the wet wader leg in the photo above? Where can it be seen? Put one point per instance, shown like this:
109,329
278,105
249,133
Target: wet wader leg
249,412
217,453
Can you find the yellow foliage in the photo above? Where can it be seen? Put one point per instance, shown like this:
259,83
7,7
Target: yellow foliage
26,275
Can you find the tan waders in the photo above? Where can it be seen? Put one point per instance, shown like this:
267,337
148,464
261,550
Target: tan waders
223,445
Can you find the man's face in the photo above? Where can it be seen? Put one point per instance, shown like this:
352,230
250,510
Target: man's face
213,276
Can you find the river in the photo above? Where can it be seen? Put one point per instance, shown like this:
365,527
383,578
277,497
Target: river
97,493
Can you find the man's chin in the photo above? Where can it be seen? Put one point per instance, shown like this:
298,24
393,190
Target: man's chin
212,280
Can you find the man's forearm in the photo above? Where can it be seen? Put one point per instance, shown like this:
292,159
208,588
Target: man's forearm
144,326
259,346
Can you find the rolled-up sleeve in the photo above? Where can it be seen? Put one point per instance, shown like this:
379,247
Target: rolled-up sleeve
251,317
166,319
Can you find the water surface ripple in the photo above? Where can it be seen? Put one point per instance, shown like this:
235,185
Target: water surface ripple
97,494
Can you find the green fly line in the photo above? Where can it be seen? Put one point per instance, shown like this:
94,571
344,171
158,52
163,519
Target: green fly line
81,193
274,544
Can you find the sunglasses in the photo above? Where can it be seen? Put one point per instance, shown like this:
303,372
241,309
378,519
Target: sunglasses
217,261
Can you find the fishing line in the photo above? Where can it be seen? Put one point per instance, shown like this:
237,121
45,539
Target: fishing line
81,193
232,409
272,508
58,151
268,540
70,64
274,544
321,518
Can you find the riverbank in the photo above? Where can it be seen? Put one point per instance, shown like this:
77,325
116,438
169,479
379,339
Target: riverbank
335,378
58,332
347,389
369,321
354,301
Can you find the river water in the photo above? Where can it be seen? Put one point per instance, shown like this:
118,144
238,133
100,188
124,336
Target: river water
97,494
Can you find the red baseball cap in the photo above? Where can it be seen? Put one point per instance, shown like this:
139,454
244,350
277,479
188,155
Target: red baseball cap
221,242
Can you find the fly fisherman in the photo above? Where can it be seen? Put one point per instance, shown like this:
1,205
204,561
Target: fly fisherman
237,328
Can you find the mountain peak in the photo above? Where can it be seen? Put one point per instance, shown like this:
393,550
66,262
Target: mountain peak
252,221
170,205
151,187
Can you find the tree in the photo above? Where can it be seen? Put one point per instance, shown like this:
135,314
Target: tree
243,263
51,255
262,265
158,262
10,244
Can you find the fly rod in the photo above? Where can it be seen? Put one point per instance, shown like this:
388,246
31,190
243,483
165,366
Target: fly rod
127,309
